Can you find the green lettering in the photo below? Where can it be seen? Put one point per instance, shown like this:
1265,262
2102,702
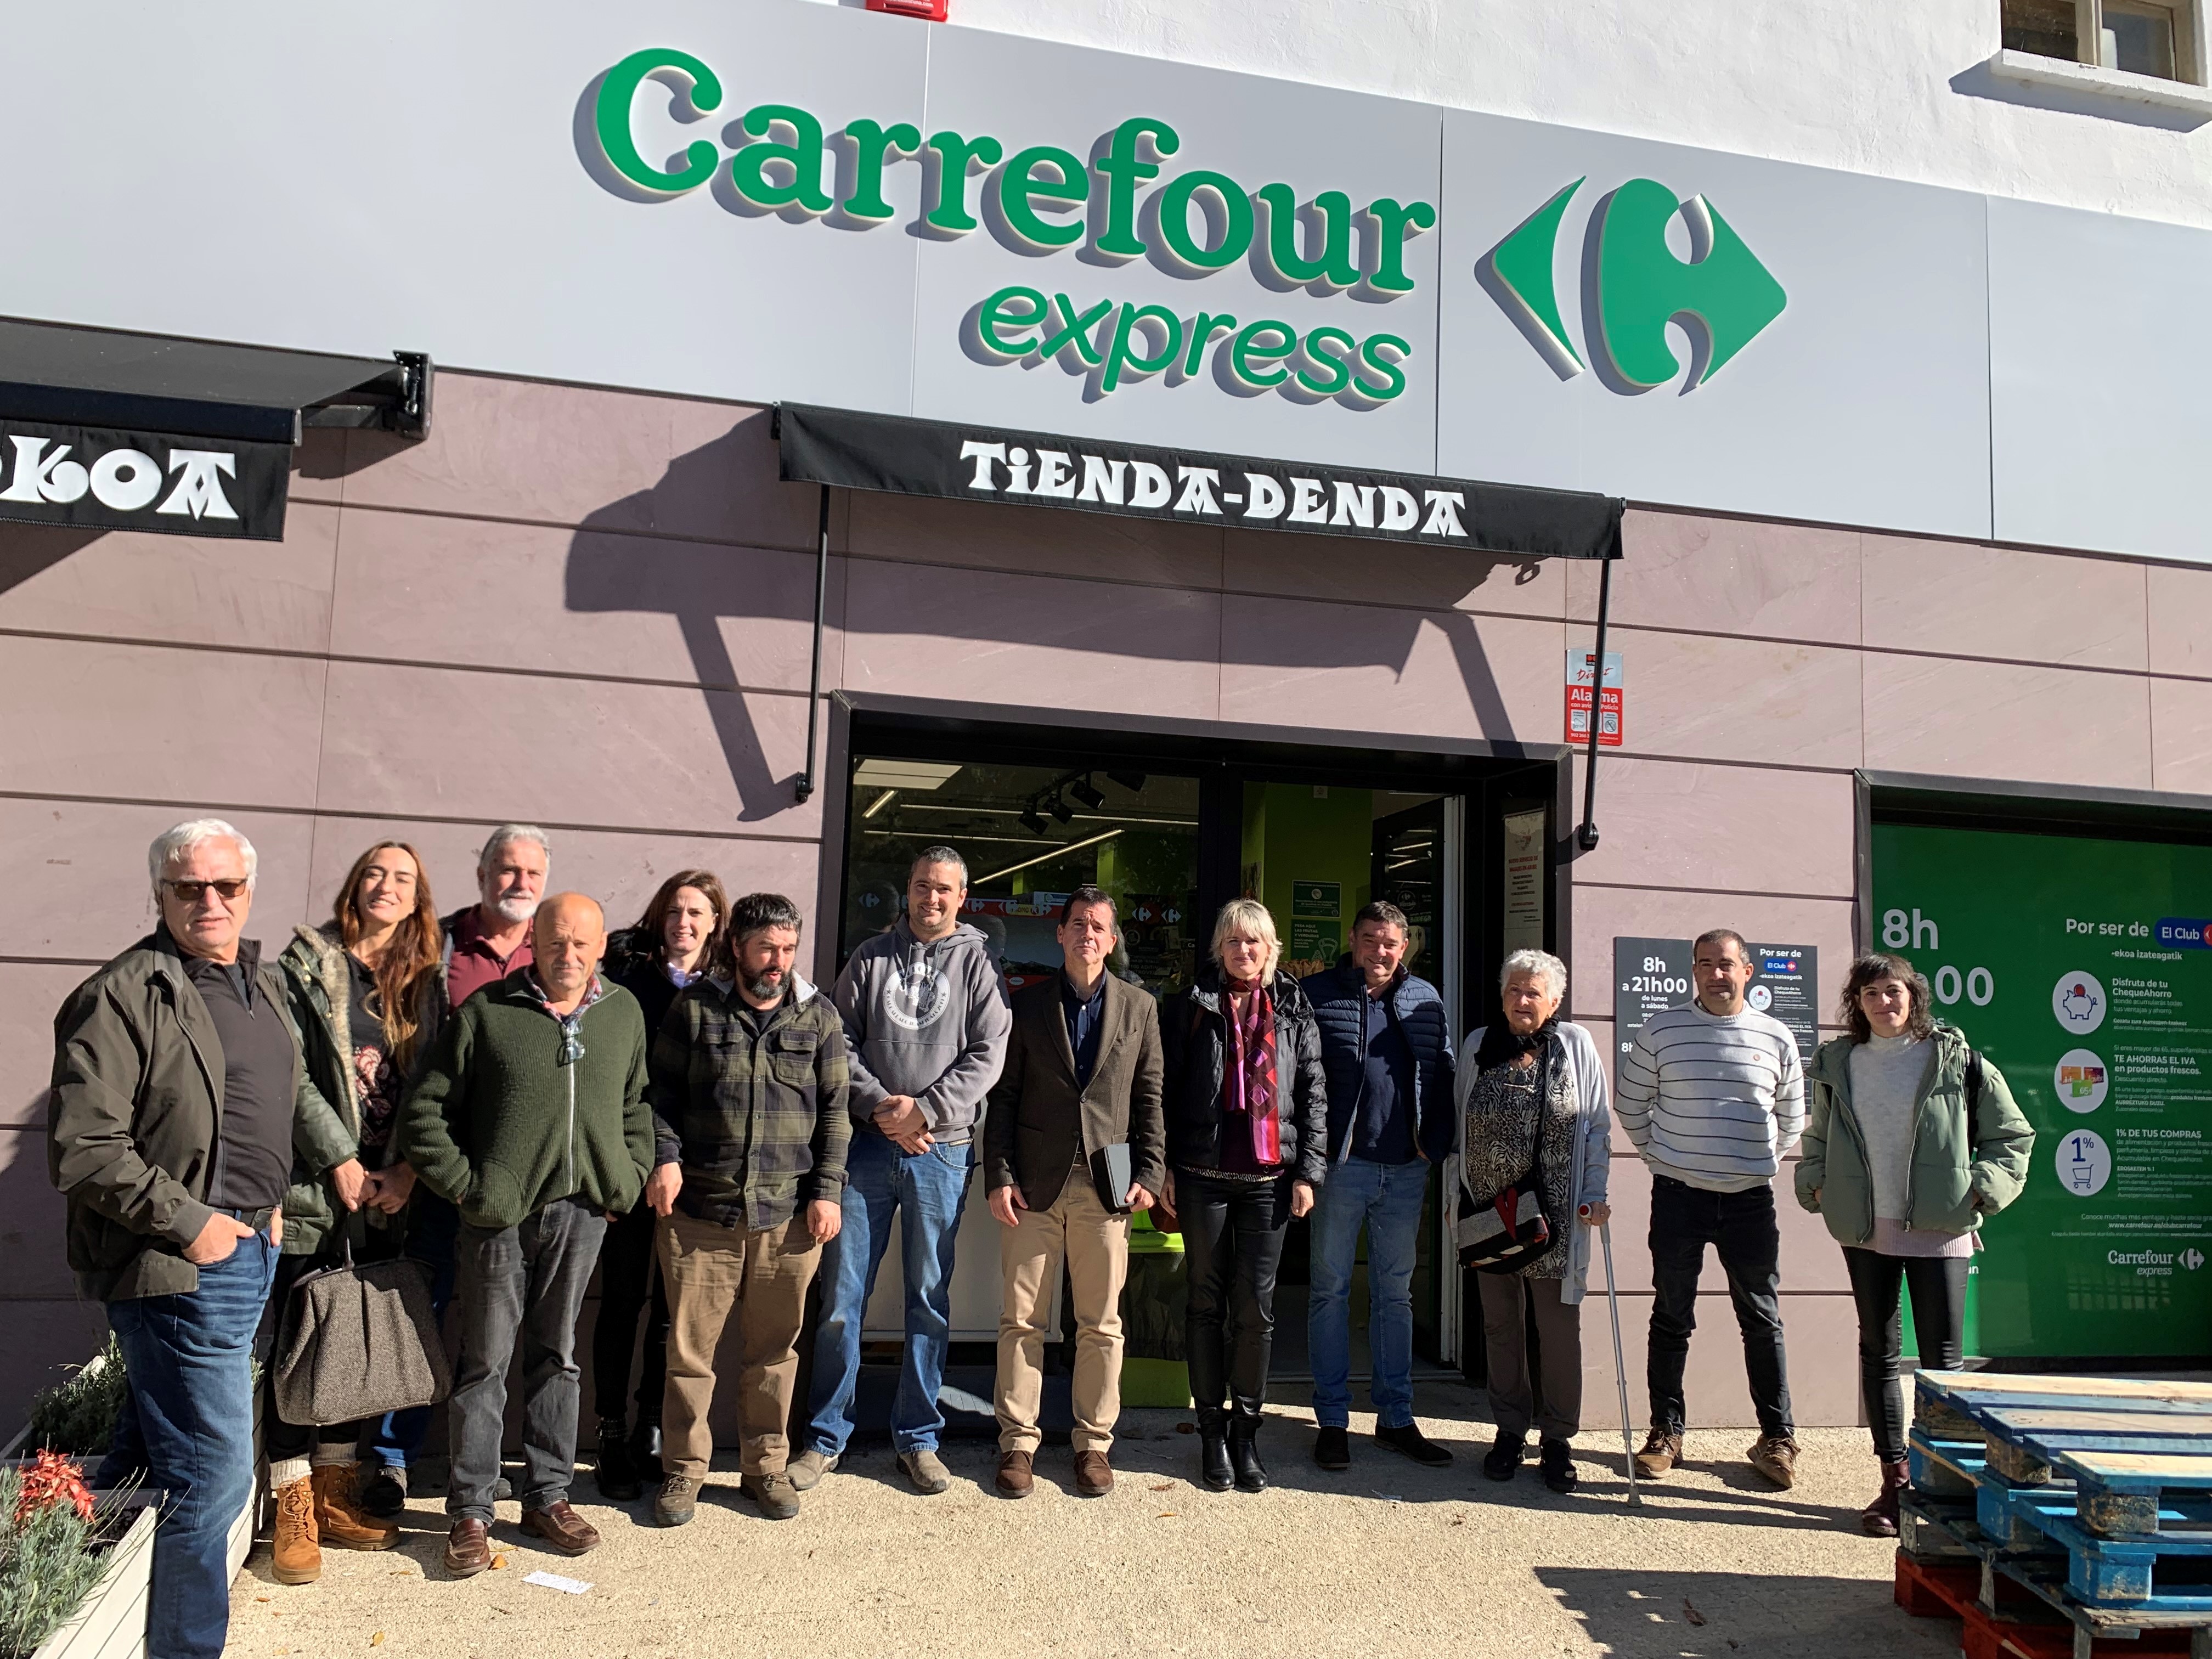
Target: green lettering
1118,354
1393,378
955,157
1336,265
995,316
1122,172
1641,285
1339,360
803,155
1019,190
612,115
1245,347
1392,222
1203,328
1075,328
1175,219
873,144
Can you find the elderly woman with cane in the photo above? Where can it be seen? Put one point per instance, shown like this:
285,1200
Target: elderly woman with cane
1532,1175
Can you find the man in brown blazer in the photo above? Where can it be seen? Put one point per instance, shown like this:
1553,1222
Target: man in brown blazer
1082,1074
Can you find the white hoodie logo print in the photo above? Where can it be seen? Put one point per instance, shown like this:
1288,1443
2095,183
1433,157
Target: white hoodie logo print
918,995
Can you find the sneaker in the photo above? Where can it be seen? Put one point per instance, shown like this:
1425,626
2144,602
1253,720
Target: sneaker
1414,1444
807,1469
620,1479
1775,1457
925,1469
774,1494
1662,1451
1502,1461
384,1494
679,1500
1558,1462
1333,1447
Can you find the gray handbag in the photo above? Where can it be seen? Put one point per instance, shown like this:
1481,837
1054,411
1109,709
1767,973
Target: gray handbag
360,1341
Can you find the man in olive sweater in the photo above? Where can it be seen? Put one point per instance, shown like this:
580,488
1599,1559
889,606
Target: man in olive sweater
532,1121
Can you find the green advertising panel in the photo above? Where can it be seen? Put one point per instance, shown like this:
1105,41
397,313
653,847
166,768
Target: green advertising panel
2080,969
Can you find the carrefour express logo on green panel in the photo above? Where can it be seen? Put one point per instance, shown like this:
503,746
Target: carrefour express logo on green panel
1041,198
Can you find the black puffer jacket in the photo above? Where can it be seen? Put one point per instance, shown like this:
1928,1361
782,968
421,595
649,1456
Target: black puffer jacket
1194,1035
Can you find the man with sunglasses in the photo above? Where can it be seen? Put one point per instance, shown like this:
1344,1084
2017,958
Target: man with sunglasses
178,1100
530,1119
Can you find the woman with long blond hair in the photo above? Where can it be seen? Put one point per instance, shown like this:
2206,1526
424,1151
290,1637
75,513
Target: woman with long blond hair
367,993
1248,1144
678,939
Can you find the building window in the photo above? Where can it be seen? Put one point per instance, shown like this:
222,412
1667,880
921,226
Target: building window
2138,37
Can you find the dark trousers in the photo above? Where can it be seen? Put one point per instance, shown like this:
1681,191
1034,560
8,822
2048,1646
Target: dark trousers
523,1283
1938,1325
1232,1239
432,1226
1547,1396
1742,1227
629,1284
186,1431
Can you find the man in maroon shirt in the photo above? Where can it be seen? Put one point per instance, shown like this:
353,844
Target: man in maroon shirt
491,938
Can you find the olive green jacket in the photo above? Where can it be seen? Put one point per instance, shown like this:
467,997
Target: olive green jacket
1960,1171
136,1114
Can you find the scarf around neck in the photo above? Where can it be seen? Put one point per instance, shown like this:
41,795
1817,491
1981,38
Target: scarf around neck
1248,1073
1502,1045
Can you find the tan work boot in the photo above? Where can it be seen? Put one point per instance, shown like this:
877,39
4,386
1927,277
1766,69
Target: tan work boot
807,1469
340,1520
1775,1457
1662,1451
296,1555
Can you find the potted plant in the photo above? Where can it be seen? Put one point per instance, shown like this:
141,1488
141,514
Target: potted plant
76,1573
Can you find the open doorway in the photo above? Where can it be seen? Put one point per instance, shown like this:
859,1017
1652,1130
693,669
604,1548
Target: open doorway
1174,822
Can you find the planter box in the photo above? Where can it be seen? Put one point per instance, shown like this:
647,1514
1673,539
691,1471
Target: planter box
111,1623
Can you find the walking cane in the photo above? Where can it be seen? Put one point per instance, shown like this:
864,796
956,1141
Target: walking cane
1619,1366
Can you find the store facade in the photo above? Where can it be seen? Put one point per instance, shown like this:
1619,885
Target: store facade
1854,599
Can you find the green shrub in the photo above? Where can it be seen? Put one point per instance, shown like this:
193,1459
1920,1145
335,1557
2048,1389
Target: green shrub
48,1562
78,1414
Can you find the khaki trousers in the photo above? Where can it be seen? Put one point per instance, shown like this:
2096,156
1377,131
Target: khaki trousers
708,1268
1094,1242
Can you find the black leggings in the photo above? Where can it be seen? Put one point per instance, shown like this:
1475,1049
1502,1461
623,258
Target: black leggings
1232,1240
1938,1325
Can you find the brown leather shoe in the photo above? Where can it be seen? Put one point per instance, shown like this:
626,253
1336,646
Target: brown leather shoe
343,1521
1093,1475
1775,1457
467,1548
562,1527
1662,1451
1016,1475
296,1555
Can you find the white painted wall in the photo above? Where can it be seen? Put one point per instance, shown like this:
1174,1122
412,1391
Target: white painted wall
1885,87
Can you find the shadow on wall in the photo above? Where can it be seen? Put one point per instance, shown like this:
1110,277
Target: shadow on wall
1714,1615
610,567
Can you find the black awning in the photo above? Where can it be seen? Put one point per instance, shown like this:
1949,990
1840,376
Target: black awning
97,377
891,453
104,431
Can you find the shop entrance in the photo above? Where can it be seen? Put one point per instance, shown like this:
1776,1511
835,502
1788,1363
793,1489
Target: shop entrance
1173,826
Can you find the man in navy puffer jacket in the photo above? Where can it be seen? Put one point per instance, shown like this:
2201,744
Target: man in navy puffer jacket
1386,1044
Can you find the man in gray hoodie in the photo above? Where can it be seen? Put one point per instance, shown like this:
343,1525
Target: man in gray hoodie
925,1022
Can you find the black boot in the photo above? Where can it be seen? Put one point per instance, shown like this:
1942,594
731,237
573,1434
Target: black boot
616,1475
1214,1472
1245,1451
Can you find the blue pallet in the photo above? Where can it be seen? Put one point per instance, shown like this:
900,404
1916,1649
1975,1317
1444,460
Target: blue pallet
2100,1572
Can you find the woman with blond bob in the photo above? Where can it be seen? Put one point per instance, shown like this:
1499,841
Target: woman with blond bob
1248,1143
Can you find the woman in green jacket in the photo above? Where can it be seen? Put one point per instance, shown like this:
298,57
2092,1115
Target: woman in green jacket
1913,1138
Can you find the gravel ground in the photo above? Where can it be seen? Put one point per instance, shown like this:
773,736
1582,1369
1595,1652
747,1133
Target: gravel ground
1387,1559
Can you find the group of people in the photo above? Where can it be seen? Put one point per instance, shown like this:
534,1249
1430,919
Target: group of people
514,1098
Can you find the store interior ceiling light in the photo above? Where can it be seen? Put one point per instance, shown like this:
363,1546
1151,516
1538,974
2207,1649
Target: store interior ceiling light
1045,857
1132,781
1087,792
880,803
902,773
1061,810
1032,820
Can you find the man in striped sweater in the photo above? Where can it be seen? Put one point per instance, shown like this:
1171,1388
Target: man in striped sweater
1713,1097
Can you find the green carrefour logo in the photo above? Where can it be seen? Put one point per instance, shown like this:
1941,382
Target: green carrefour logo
1634,285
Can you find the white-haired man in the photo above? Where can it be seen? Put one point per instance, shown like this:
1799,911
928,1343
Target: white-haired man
179,1101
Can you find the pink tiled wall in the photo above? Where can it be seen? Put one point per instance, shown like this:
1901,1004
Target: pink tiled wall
592,609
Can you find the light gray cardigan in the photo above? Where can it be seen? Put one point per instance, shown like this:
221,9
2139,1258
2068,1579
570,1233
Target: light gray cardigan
1593,1145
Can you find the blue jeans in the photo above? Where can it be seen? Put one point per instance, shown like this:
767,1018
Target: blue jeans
187,1431
927,1189
433,1224
1387,1198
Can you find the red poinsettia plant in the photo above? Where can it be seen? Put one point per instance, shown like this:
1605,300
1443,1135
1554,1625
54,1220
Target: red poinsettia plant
51,1480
